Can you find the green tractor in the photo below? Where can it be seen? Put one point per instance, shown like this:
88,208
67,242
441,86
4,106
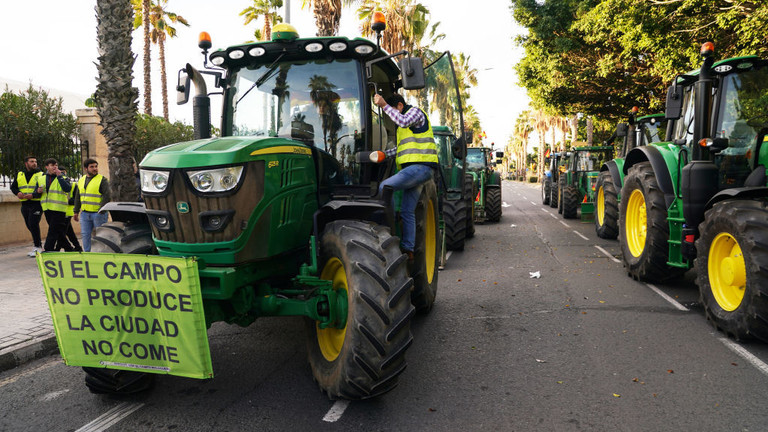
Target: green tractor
576,184
486,184
551,178
637,131
455,189
700,200
283,211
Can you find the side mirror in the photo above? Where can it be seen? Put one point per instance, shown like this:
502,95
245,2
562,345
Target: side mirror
500,154
182,88
717,145
674,102
412,72
621,129
459,148
468,136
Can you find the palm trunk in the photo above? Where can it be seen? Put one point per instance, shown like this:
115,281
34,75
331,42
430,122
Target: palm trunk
116,97
163,77
147,60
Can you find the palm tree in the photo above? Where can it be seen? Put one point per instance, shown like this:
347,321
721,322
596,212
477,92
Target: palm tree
406,23
141,10
266,8
161,28
115,95
327,14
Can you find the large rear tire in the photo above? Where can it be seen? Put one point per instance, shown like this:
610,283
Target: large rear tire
553,192
570,202
732,252
469,195
560,193
365,358
426,254
606,207
455,221
119,237
546,190
493,203
644,230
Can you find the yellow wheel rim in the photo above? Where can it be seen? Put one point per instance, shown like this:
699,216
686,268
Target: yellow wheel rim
431,244
727,271
331,339
637,223
600,206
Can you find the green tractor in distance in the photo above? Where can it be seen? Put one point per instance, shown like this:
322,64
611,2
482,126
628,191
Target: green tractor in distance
486,184
551,178
701,199
283,211
455,190
576,185
637,131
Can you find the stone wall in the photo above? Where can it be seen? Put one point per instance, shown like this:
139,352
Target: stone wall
12,229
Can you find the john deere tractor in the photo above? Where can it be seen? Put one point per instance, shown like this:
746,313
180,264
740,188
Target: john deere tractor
637,131
551,178
283,210
576,185
455,188
700,200
486,184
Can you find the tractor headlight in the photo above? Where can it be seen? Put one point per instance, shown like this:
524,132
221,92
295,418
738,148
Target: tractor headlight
216,180
153,181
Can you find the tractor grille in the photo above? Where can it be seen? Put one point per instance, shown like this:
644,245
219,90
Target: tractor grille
235,209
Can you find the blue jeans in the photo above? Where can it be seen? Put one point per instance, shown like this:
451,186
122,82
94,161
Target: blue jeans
89,221
410,180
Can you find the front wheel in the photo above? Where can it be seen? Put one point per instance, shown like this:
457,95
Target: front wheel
365,358
732,251
493,203
455,220
424,267
570,202
119,237
546,187
560,193
606,207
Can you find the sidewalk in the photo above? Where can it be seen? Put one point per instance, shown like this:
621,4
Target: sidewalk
26,329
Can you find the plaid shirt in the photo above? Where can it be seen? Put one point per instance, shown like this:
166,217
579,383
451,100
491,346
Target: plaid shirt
413,117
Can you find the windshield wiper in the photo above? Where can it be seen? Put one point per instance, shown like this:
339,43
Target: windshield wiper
264,77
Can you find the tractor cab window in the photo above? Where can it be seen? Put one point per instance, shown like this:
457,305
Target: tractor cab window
316,102
475,158
742,112
684,125
652,131
444,143
590,160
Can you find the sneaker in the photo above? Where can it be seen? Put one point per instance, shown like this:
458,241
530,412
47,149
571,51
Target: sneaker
34,252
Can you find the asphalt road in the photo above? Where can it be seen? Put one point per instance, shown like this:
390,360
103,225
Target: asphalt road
583,347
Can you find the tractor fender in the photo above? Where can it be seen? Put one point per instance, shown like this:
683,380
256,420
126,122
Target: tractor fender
737,193
129,212
495,179
653,155
615,168
367,210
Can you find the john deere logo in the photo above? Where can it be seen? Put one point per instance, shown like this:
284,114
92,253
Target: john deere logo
182,207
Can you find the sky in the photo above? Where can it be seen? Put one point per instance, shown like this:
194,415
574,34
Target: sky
52,44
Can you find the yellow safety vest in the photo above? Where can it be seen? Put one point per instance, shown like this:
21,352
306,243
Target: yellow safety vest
54,198
28,188
90,198
70,204
416,147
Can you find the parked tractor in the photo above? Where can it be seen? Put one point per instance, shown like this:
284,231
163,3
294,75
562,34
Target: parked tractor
551,178
701,199
283,211
455,189
577,183
486,184
637,131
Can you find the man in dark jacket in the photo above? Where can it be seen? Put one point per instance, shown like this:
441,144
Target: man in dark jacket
23,187
53,192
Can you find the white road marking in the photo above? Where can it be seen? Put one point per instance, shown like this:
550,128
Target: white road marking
533,202
580,235
613,258
674,302
553,215
545,210
336,411
563,222
448,255
111,417
746,355
504,204
512,226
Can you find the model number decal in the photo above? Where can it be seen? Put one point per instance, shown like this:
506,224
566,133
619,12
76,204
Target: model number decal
273,164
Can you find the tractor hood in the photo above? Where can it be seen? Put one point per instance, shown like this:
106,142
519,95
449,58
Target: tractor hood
220,151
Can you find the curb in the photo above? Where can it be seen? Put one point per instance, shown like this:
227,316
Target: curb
24,352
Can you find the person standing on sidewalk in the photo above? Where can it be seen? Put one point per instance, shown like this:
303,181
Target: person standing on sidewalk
53,191
23,187
73,245
91,194
416,159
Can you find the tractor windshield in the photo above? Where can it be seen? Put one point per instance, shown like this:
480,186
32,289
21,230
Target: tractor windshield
653,131
475,158
444,143
591,160
316,102
743,109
